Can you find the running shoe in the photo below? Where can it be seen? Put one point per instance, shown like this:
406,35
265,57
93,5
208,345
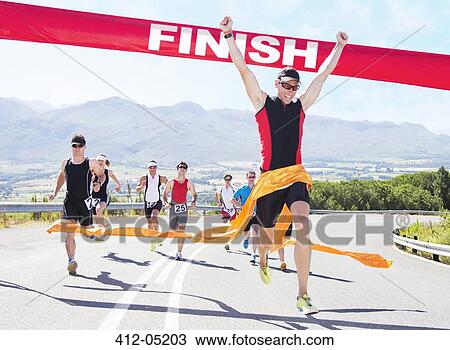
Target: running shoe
266,276
178,256
245,243
304,304
227,247
283,266
253,259
72,267
155,244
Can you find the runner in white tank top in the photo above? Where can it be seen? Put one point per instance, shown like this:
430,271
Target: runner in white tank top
151,184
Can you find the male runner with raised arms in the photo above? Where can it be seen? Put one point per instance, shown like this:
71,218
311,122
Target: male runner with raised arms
78,203
280,124
178,213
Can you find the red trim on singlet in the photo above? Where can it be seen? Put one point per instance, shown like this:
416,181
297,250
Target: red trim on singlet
179,191
298,157
265,137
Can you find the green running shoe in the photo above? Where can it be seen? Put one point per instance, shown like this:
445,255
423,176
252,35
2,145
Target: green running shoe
155,244
266,276
304,304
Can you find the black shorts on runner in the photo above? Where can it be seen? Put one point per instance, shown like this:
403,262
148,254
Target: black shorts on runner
150,206
252,221
288,233
75,209
269,207
104,199
178,218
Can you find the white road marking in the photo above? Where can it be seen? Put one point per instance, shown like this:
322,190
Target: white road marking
115,316
172,316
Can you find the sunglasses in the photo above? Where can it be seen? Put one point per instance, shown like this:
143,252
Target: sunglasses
77,145
182,167
289,87
152,167
252,177
227,179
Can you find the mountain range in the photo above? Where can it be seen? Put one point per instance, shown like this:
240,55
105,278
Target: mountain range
133,134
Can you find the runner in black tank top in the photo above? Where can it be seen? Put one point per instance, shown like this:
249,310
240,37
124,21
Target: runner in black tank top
280,125
78,172
102,194
79,189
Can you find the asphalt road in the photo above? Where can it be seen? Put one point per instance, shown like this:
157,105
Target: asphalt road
122,285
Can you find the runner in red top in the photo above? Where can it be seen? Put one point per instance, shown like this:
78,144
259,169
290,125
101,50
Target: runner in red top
280,125
178,213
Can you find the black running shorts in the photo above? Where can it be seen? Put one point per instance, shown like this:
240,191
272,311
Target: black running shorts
269,207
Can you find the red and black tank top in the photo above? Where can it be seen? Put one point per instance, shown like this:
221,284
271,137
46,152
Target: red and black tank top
280,130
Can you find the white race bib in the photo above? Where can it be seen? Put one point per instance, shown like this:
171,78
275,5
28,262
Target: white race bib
180,208
230,211
151,204
91,202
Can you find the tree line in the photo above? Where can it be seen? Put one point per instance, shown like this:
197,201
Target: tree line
419,191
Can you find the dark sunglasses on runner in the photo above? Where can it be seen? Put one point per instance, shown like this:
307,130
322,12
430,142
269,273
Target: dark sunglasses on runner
252,177
227,179
77,145
288,86
182,167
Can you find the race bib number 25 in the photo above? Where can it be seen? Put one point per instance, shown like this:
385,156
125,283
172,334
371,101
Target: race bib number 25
180,208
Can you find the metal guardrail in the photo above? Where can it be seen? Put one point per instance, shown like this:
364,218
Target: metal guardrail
381,212
25,207
433,248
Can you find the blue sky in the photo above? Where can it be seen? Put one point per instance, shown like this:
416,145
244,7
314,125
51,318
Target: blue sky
39,71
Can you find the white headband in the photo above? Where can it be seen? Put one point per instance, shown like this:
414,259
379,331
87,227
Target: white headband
101,157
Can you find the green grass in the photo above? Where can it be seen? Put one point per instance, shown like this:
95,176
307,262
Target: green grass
438,233
433,233
8,220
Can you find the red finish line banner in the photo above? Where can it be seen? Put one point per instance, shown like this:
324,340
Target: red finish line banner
66,27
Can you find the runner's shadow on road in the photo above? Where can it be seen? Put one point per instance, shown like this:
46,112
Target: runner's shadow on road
226,311
112,256
289,322
313,275
366,310
199,262
105,278
242,252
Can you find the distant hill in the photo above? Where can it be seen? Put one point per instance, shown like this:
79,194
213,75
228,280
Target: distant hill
130,134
